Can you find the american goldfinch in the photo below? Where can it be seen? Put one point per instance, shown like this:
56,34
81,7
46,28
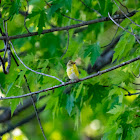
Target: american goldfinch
72,70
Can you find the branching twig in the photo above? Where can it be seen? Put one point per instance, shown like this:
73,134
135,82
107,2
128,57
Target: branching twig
123,28
67,45
126,15
33,102
91,8
70,27
135,75
129,94
72,82
34,70
123,6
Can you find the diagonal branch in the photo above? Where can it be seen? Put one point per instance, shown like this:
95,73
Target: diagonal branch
126,15
71,26
124,28
34,70
33,102
72,82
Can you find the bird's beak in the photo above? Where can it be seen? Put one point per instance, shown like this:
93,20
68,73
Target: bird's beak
73,62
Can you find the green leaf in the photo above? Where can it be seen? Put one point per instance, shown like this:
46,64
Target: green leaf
70,103
93,51
124,46
41,22
14,9
53,9
79,90
9,87
68,4
115,110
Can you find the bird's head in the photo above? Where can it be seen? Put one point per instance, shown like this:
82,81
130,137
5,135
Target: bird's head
70,63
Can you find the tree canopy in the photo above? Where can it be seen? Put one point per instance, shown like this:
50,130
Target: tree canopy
37,99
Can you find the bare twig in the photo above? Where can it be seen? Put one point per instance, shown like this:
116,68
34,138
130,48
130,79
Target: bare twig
70,27
67,44
130,94
91,8
71,18
126,15
135,83
26,16
2,50
123,28
33,102
135,75
123,6
36,112
34,70
72,82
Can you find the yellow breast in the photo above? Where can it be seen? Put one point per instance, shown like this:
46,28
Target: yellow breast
72,72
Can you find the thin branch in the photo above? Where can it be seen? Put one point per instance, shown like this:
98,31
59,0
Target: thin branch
129,94
135,75
26,16
91,8
33,102
123,28
70,27
126,15
71,18
67,44
72,82
7,70
2,50
25,25
36,112
132,94
135,83
34,70
123,6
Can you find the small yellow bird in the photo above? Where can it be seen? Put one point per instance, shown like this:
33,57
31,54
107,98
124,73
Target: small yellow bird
72,70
